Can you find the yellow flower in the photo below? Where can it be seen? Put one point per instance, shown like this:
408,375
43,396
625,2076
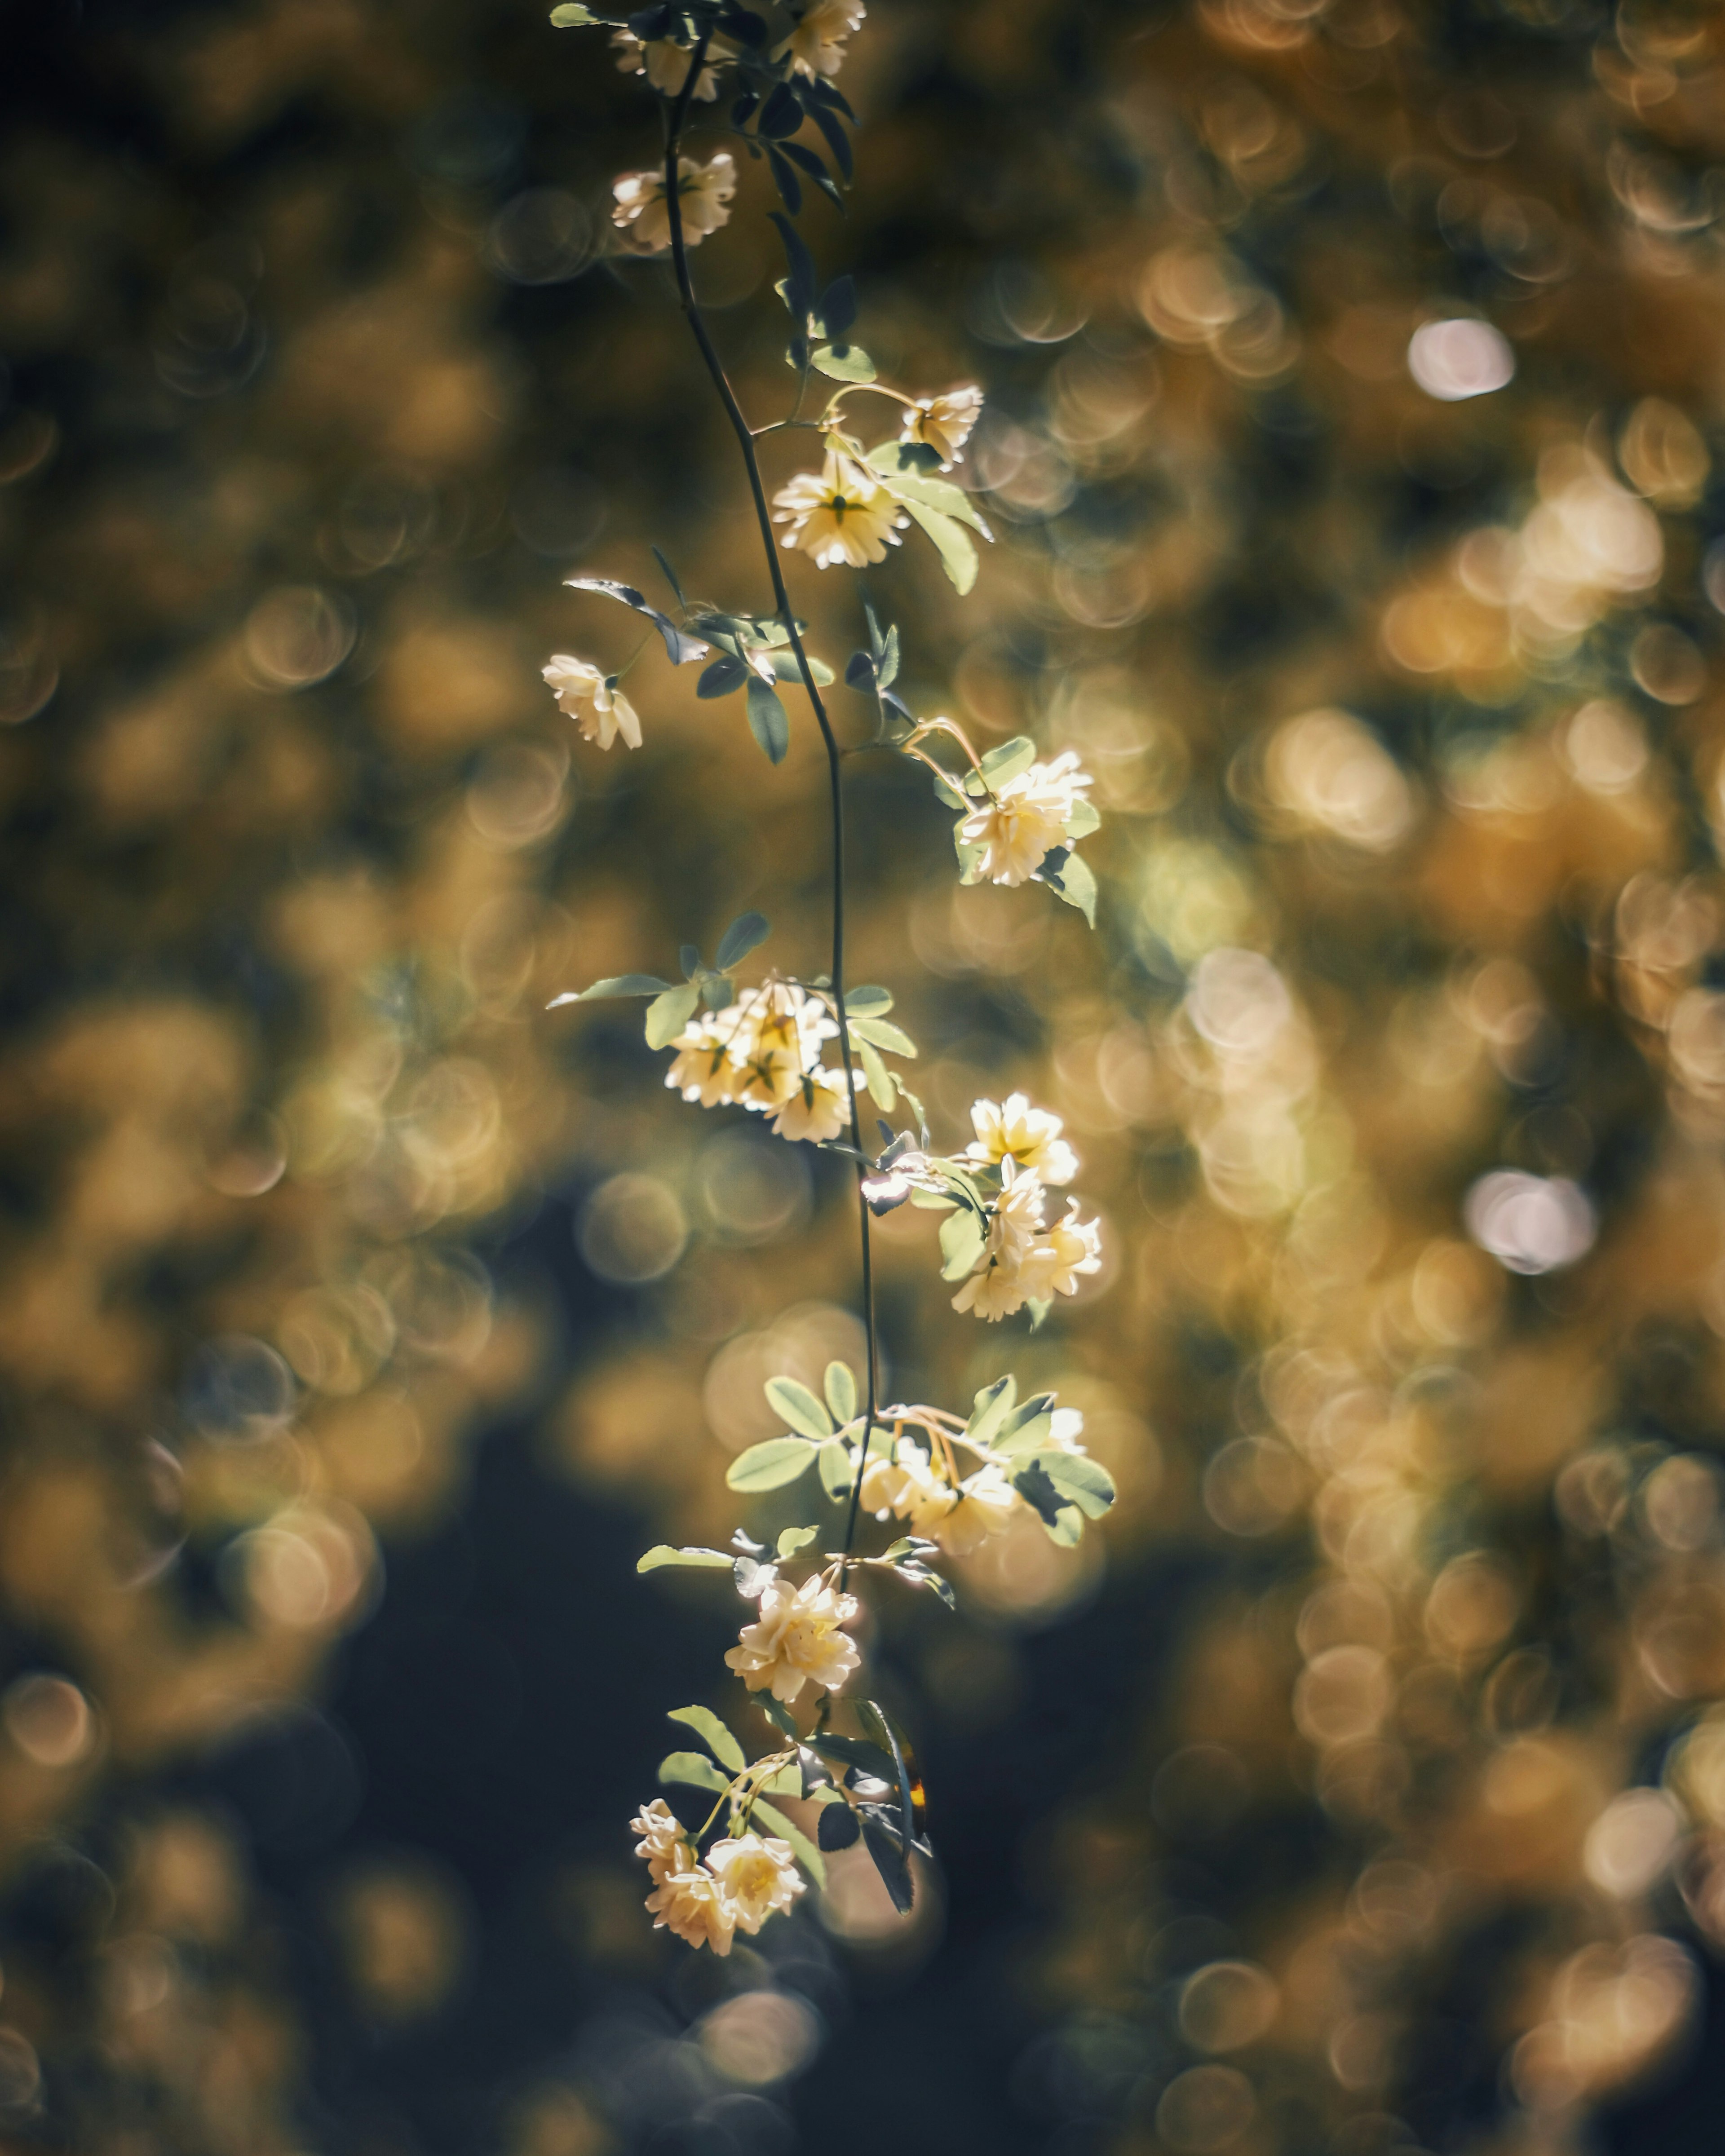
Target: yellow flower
666,65
817,45
601,712
798,1640
663,1843
693,1905
1012,1129
945,422
1027,816
985,1504
819,1109
838,514
702,1070
1057,1258
756,1875
704,191
775,1034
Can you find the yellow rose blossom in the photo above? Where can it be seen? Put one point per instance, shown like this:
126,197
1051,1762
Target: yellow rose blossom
756,1875
692,1905
1012,1129
840,513
798,1640
944,423
817,45
1025,819
666,65
602,713
703,192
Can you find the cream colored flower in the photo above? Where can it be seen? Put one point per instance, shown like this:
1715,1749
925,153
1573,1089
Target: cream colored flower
758,1876
663,1843
817,45
1012,1129
818,1110
984,1506
776,1035
885,1482
798,1640
838,514
1069,1249
703,192
1027,816
703,1069
666,65
693,1905
602,713
944,423
997,1292
1017,1216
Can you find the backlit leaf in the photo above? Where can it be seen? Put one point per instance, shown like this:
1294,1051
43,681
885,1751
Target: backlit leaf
706,1723
799,1408
694,1768
770,1465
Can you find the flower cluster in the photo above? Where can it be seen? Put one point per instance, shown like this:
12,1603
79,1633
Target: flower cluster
925,1485
764,1052
742,1881
954,1483
798,1640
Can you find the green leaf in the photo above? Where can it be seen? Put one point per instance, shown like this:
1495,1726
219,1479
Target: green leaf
839,1386
723,678
570,16
902,479
768,722
1021,1443
801,1848
785,666
838,303
619,984
1084,819
778,1714
877,1077
957,555
1009,760
706,1723
799,1408
682,648
747,933
670,576
799,294
1065,1530
694,1768
961,1241
843,362
1085,1480
867,1002
837,1469
884,1035
877,1723
662,1554
770,1465
792,1539
993,1404
1076,884
669,1014
1026,1413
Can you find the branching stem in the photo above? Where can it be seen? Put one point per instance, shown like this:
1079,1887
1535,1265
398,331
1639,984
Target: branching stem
746,443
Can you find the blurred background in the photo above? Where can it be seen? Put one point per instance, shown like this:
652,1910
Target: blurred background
1354,446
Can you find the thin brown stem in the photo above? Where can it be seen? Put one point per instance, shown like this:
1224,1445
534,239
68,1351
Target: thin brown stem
746,443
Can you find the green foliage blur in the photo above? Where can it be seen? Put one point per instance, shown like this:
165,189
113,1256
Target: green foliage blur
1352,444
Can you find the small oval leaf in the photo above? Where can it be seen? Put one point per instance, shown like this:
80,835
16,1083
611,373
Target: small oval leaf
799,1408
769,1465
